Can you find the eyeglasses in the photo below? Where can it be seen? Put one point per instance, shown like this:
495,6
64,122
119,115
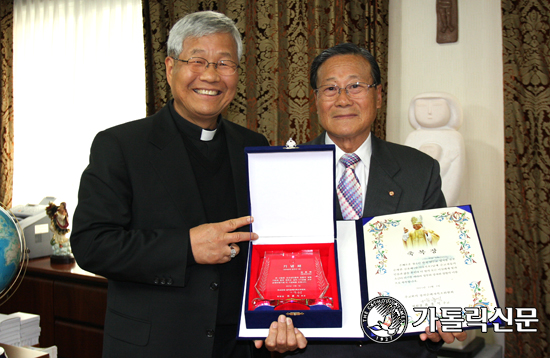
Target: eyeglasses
353,90
199,65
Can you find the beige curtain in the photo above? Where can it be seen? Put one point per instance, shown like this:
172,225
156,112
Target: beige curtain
526,55
6,106
281,38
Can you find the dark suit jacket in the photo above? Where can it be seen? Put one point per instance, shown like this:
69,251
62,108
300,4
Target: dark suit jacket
138,198
401,179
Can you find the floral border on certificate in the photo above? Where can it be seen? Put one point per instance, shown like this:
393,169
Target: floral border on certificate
478,298
460,219
377,229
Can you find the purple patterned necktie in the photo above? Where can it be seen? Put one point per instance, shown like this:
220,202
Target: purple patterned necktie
349,189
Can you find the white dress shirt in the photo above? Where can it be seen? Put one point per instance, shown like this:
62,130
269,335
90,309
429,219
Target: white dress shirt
362,170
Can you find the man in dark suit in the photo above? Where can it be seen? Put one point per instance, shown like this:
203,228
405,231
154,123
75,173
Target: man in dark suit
386,177
160,204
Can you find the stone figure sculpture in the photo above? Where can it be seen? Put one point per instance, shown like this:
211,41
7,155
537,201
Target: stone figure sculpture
436,118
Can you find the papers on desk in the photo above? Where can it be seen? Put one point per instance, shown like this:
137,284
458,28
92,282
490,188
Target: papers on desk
20,329
10,329
30,328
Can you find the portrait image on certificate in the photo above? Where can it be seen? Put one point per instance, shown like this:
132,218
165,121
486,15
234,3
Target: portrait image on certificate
429,258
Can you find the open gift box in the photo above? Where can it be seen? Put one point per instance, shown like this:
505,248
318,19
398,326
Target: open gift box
383,274
374,264
292,268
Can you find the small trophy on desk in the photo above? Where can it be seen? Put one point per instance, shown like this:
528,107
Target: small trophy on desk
292,281
59,225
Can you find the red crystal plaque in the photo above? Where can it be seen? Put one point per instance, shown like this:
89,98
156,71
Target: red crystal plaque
292,277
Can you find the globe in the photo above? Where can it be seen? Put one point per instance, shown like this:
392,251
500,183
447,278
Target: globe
12,253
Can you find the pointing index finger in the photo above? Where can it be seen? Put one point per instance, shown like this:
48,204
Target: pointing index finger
233,224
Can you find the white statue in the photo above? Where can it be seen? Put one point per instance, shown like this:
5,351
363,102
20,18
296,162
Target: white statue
436,118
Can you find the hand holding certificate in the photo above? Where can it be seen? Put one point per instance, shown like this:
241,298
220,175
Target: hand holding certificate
436,270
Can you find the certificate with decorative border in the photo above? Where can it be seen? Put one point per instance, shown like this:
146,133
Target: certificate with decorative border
429,258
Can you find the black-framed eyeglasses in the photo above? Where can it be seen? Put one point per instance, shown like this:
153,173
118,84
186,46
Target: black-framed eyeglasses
353,90
199,65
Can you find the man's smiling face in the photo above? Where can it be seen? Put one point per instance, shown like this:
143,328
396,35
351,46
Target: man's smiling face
201,97
347,120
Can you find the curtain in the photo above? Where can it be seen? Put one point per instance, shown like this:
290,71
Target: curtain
526,56
281,38
78,69
6,106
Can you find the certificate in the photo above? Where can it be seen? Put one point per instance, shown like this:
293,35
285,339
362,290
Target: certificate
430,258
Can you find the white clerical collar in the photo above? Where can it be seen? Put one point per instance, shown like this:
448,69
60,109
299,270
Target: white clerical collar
364,151
208,135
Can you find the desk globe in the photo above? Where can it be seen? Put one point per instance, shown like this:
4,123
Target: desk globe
13,255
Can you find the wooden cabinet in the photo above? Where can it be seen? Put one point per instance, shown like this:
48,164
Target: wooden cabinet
71,303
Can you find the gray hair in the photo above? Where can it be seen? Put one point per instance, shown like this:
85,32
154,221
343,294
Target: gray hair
199,24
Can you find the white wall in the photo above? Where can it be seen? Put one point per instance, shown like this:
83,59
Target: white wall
65,92
471,70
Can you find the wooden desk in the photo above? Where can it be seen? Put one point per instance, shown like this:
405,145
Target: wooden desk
17,352
71,303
